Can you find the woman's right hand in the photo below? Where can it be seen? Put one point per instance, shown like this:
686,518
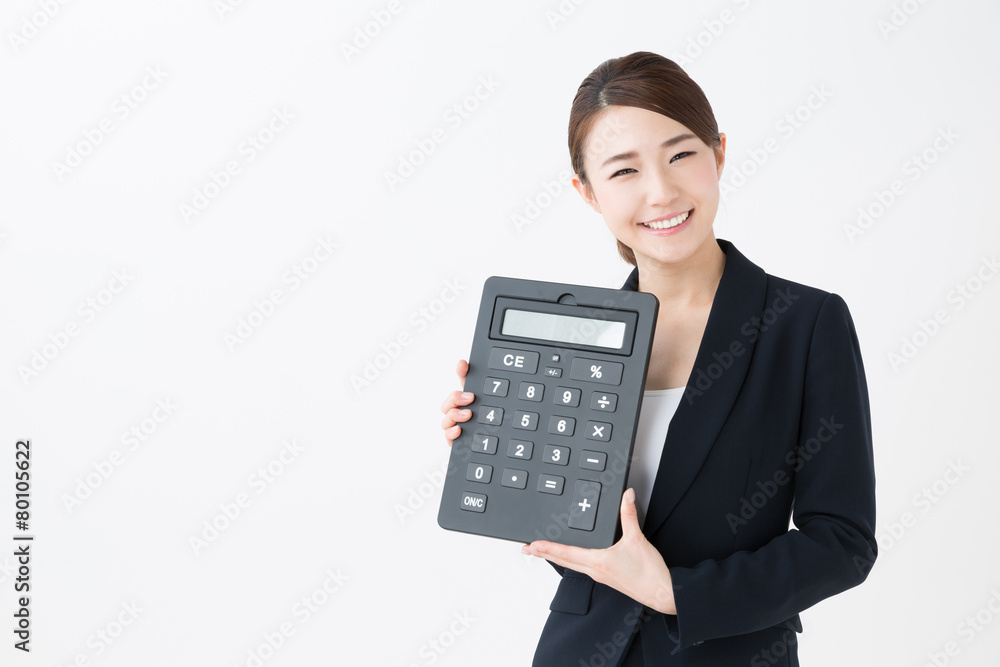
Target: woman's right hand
454,414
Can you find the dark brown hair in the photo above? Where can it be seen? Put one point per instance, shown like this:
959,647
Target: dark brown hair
647,81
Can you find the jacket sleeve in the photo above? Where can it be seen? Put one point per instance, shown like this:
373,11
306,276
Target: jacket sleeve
832,547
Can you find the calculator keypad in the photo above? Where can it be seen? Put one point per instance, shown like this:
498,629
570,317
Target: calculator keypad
566,418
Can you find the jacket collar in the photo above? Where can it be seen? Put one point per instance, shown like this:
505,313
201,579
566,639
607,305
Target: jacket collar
719,370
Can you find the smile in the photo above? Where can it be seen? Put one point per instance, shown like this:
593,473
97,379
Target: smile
667,224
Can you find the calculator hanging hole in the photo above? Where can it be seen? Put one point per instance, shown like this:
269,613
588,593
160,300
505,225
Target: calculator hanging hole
568,299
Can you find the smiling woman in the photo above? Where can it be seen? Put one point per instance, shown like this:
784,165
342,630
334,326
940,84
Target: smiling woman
748,373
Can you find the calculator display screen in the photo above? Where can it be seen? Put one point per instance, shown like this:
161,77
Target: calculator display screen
563,328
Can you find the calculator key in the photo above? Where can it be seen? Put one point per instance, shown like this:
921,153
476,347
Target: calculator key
472,502
489,414
554,358
553,372
479,472
518,361
593,460
583,506
596,370
520,449
551,484
530,391
603,402
567,396
562,425
555,454
516,479
599,431
525,420
485,444
496,386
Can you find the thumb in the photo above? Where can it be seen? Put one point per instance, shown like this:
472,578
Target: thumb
630,517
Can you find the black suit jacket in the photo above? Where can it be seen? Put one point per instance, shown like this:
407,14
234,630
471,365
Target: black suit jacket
774,424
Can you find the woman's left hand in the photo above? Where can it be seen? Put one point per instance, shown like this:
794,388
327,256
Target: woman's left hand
632,566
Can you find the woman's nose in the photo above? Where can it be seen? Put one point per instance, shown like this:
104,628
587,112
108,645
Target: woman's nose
660,188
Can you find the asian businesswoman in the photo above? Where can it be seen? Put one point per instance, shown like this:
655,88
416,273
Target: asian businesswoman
755,412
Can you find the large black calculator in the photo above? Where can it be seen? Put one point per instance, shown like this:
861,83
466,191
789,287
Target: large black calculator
558,372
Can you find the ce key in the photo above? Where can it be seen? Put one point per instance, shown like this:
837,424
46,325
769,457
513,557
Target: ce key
518,361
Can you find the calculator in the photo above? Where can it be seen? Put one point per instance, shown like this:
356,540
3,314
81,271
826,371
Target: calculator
558,372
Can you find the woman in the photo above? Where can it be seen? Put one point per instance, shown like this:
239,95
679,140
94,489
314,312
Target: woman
756,405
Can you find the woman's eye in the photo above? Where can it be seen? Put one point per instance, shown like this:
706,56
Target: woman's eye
621,171
681,155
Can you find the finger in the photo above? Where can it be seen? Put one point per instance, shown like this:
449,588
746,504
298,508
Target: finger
451,434
630,517
456,398
575,558
462,369
455,416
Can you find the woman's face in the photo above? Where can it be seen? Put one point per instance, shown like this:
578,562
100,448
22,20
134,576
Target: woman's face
655,183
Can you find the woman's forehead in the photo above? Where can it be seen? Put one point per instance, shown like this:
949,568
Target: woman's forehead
632,129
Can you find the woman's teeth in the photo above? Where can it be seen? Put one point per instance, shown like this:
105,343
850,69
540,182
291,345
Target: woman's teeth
667,224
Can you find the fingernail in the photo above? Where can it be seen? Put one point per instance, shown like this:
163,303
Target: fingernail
465,413
630,495
467,395
526,550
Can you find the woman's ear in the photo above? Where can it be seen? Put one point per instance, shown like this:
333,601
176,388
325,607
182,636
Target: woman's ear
720,154
586,192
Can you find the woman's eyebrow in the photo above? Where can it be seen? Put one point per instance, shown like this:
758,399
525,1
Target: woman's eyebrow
631,154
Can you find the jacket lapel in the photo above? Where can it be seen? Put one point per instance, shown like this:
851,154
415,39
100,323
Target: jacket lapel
712,388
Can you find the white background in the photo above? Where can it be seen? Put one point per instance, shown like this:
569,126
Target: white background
884,80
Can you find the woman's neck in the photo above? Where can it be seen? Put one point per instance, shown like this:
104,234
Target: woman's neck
690,283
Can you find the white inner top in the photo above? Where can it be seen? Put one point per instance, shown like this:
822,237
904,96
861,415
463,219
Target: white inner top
658,407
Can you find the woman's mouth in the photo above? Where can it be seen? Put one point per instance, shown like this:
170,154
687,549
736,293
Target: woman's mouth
675,221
